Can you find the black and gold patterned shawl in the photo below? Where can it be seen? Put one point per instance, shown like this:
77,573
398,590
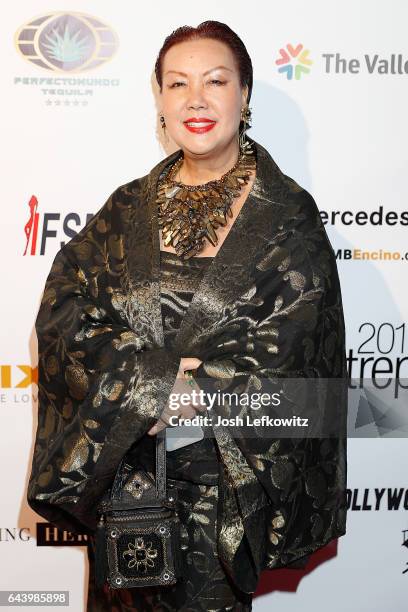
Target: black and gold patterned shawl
268,305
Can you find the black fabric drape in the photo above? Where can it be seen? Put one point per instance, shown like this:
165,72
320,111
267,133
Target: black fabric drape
268,308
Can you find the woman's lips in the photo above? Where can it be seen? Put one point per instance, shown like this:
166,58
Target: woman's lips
200,127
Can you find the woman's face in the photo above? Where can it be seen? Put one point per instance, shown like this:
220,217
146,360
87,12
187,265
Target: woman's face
201,82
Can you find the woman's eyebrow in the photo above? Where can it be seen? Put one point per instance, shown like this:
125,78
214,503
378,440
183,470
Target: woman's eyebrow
204,73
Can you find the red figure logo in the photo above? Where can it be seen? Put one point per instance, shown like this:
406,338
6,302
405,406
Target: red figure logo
31,227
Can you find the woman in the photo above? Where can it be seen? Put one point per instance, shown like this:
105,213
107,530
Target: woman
214,263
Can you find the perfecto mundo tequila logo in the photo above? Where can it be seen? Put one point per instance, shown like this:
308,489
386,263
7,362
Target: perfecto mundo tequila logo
294,61
66,42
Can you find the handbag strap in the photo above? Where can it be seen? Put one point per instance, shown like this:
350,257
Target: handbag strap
160,477
161,480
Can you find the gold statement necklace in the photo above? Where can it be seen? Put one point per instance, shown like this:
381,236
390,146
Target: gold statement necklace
190,214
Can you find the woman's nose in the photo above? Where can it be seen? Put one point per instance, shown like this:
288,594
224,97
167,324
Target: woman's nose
196,97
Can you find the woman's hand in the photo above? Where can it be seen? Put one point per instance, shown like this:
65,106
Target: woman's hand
180,386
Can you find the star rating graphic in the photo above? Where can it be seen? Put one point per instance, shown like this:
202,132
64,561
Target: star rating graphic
49,102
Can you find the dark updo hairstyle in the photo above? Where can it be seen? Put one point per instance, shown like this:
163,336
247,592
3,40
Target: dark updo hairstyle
217,31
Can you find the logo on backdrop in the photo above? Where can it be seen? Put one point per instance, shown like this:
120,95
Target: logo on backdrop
334,63
49,535
62,44
375,218
378,217
40,228
405,543
382,352
15,534
66,42
384,498
378,385
356,254
294,61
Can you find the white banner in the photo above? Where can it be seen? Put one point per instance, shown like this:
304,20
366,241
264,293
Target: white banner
79,118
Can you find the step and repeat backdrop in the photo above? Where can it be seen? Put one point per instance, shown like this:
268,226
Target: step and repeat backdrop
80,117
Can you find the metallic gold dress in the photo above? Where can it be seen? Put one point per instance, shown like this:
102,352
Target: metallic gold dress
193,470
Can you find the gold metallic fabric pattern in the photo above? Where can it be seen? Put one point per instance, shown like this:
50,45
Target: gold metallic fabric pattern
268,305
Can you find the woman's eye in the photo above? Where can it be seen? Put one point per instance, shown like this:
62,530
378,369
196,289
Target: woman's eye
177,83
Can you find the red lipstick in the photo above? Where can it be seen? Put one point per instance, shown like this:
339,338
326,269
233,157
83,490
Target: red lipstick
199,125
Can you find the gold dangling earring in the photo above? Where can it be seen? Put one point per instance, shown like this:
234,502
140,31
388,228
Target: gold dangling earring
163,125
246,115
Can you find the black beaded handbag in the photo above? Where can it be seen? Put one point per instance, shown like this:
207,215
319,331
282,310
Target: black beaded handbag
137,540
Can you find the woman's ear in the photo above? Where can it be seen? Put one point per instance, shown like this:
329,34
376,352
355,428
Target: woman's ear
244,96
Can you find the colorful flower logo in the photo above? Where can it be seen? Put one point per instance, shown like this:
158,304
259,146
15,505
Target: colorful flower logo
66,42
294,61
